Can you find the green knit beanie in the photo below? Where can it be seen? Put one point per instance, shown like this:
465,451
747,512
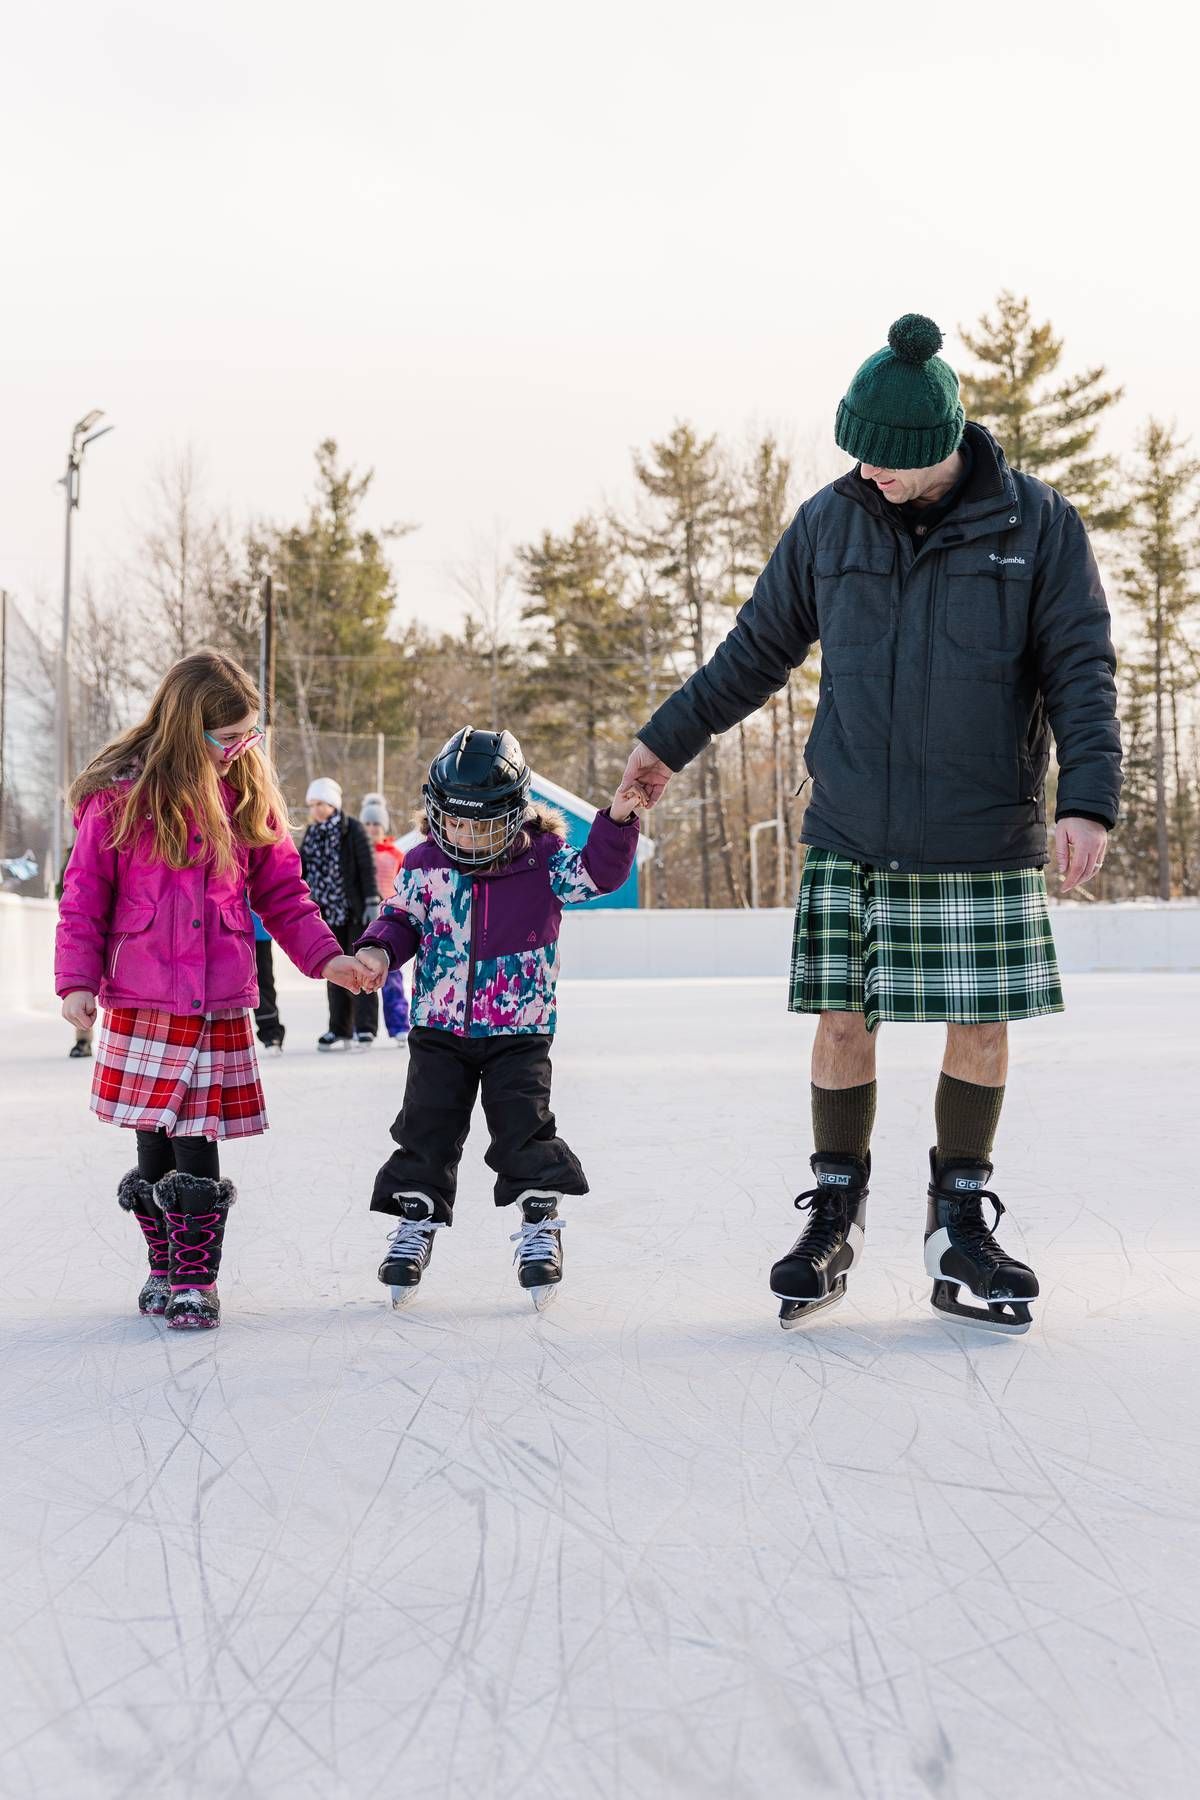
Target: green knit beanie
902,410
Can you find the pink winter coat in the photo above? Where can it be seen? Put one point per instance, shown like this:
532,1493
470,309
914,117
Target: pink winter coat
135,932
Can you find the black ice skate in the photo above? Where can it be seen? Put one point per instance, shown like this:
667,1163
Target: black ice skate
136,1196
960,1251
409,1247
813,1274
194,1210
538,1255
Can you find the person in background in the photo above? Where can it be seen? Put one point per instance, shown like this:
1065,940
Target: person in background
389,860
340,871
267,1022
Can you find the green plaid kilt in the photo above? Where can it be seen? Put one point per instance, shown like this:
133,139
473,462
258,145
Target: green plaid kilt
974,948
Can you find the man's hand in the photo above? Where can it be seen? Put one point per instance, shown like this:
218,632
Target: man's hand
625,802
1080,846
79,1009
647,773
344,972
373,967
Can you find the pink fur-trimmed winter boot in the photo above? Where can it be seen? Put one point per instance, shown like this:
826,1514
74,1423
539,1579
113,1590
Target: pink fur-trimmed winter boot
137,1197
194,1210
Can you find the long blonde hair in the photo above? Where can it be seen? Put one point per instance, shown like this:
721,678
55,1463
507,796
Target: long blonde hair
173,779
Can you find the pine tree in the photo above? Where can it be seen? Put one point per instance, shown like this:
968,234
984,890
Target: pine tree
682,539
584,648
1158,579
1047,423
337,670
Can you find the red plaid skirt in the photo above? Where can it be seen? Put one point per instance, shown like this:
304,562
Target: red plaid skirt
188,1076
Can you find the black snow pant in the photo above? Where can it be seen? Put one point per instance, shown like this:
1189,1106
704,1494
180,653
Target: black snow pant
349,1013
267,1022
445,1073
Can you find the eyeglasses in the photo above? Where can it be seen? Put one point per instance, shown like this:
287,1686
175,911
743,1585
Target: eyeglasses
252,737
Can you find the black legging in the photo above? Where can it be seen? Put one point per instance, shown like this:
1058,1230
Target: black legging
158,1154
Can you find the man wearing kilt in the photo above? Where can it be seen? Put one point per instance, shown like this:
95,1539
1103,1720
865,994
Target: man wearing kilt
962,625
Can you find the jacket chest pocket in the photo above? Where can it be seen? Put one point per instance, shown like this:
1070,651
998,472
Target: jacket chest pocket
854,594
517,913
987,601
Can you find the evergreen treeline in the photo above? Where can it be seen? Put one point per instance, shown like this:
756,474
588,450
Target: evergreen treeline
572,640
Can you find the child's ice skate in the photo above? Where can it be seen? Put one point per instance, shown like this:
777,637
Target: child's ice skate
812,1276
194,1210
538,1255
136,1196
409,1247
960,1251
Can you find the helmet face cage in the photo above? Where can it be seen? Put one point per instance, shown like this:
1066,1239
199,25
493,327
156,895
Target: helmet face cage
483,840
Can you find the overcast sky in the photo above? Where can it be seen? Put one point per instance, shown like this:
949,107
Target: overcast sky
492,248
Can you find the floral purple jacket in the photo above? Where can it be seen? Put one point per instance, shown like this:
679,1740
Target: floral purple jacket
486,941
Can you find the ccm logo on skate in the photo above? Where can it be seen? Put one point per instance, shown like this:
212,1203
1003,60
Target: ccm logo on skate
961,1181
834,1181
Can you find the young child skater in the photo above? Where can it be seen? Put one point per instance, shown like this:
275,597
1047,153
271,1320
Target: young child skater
179,819
479,905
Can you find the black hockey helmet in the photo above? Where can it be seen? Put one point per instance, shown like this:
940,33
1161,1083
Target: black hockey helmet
480,778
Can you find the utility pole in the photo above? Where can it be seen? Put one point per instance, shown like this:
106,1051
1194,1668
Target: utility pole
80,439
266,662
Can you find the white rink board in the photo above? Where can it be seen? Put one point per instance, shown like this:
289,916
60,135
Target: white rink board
646,1545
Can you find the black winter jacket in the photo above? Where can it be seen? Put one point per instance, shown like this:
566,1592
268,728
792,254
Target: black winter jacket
945,666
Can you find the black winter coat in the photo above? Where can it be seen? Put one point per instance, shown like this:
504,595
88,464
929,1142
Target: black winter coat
360,878
945,666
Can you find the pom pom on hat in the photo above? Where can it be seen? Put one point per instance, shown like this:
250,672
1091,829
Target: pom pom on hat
914,338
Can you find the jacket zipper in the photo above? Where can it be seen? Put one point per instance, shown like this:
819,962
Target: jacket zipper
471,964
121,942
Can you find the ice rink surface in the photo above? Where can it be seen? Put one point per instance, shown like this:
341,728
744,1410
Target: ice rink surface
646,1544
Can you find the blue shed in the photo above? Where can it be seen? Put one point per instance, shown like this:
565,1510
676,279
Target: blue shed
579,815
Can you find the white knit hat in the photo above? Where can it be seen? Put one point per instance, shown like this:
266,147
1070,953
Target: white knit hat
326,789
374,811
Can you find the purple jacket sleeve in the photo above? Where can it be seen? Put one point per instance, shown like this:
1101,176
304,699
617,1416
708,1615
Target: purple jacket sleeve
398,927
279,895
601,866
89,884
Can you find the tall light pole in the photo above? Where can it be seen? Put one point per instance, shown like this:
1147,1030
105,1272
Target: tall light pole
81,437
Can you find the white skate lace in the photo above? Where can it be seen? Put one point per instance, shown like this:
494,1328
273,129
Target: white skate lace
410,1237
535,1240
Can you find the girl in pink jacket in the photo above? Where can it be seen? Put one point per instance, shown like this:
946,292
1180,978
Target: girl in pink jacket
180,830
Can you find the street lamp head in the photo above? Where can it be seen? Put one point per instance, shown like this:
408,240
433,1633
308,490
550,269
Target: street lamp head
89,419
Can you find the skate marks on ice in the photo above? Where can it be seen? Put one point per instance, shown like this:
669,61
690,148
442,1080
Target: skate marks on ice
644,1544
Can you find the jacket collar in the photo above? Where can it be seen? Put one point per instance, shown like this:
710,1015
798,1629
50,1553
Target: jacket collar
989,492
428,855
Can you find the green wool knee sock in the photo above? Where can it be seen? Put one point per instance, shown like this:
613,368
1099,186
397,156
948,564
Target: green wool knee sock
842,1120
966,1116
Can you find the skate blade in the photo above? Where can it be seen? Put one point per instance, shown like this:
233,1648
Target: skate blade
403,1296
542,1297
192,1324
946,1305
794,1313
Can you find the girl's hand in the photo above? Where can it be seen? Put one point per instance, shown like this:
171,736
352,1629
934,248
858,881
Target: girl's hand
344,972
374,966
626,802
79,1009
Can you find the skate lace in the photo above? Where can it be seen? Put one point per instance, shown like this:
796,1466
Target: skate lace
411,1236
535,1240
968,1225
826,1219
